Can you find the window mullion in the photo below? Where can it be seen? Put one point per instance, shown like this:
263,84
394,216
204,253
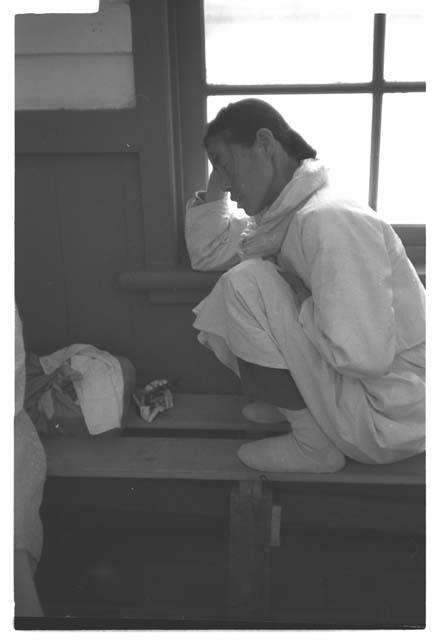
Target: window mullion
377,104
287,89
404,87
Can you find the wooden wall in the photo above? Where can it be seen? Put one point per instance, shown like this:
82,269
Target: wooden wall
78,225
96,196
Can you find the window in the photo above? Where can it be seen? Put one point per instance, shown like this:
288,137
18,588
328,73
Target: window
343,80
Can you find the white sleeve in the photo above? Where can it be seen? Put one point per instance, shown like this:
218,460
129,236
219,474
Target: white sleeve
212,234
350,316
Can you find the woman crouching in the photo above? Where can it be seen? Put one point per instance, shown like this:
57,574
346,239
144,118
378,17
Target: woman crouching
320,312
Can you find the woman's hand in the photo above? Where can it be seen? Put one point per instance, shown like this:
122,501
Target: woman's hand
215,189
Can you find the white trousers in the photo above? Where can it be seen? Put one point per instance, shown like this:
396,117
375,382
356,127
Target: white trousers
251,314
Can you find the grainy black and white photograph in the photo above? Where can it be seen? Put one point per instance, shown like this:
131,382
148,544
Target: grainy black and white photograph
219,296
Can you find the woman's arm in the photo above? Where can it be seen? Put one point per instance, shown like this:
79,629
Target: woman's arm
212,232
350,316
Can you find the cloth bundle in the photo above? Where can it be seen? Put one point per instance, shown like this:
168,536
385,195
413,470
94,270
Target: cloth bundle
78,390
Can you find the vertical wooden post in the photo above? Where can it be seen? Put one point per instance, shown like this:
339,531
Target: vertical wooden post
250,525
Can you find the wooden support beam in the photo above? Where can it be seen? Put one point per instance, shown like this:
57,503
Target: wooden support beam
250,530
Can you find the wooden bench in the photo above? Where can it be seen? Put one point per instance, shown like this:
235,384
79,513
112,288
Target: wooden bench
254,519
206,415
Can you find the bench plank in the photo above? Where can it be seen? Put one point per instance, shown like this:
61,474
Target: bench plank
199,459
204,412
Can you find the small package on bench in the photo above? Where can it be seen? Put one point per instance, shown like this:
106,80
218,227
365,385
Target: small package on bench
154,398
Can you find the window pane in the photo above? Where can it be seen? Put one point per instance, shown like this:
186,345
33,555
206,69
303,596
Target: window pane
402,194
405,53
279,42
337,126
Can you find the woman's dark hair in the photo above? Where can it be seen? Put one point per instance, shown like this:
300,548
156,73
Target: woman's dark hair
239,122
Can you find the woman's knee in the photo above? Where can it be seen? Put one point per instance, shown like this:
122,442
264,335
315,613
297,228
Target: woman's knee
249,272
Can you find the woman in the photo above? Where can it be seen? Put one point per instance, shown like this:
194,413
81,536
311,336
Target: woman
30,468
321,313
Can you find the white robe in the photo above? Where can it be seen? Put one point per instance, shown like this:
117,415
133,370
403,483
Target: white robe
356,346
30,464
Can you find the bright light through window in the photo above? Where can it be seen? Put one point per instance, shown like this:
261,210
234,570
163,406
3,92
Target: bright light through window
405,54
277,41
288,43
402,196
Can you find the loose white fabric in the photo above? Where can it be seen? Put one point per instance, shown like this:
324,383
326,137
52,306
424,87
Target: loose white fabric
212,234
306,449
266,231
30,465
262,412
100,391
356,346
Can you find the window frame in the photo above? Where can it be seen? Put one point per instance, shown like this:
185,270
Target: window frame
188,29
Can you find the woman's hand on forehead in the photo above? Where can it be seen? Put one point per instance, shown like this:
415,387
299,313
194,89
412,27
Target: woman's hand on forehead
215,190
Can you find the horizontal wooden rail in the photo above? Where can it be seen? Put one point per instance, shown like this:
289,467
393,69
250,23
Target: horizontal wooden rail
291,89
182,279
199,459
175,279
62,131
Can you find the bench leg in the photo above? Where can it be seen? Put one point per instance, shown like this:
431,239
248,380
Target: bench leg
250,529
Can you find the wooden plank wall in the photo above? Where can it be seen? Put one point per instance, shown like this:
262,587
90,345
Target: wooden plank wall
79,223
74,209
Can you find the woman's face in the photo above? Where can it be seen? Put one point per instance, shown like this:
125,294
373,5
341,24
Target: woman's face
246,172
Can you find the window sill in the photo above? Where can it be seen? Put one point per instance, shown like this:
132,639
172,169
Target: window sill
182,285
176,286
